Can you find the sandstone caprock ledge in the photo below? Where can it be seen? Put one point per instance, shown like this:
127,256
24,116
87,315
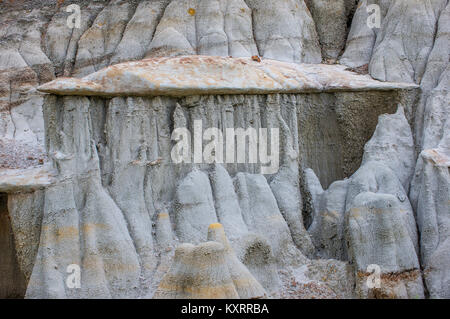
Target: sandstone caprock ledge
213,75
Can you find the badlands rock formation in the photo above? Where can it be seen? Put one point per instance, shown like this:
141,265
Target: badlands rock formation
87,170
223,277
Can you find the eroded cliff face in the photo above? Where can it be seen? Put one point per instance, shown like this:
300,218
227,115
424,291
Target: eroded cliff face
87,173
119,203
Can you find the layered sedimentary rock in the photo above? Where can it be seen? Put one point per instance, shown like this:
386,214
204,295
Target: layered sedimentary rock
194,75
12,281
107,165
369,219
225,276
115,154
430,190
398,49
198,272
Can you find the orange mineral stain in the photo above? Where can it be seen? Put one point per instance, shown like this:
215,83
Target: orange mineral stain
256,58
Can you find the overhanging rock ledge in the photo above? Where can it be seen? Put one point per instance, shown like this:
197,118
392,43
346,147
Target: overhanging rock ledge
192,75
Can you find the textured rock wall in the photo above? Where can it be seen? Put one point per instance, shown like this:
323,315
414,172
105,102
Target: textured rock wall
368,218
37,45
397,181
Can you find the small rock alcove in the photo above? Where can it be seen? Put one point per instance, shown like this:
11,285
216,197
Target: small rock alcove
12,280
